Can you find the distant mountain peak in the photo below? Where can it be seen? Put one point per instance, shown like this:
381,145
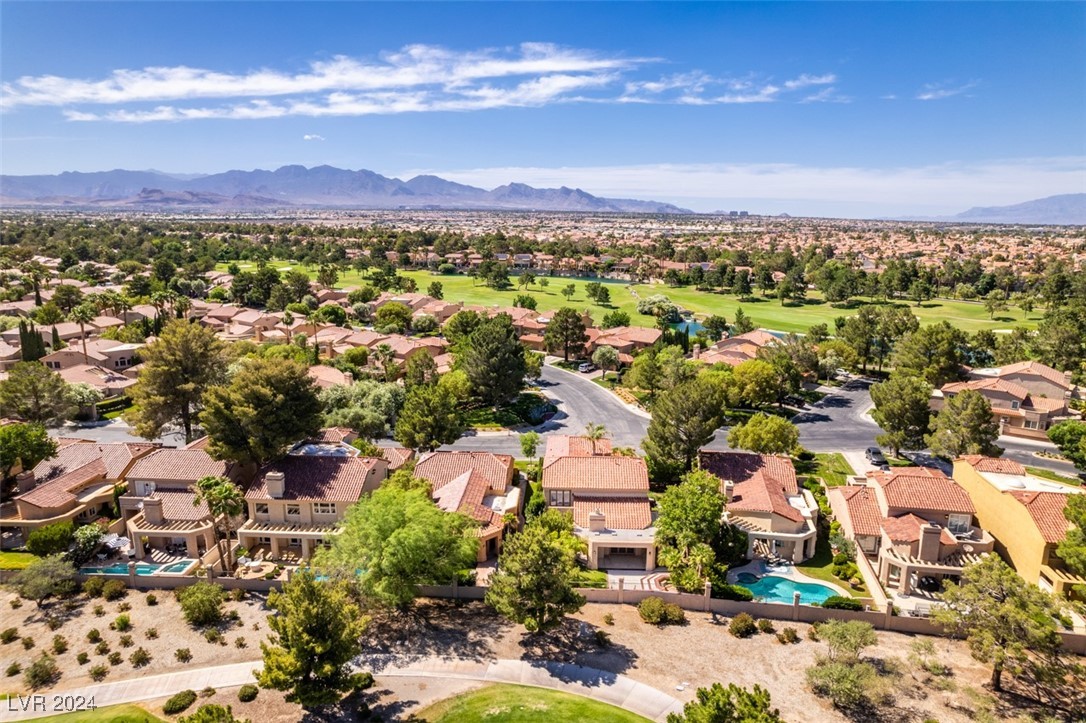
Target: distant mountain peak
1068,209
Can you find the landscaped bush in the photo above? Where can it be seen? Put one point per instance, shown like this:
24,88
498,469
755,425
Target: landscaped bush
603,638
102,648
16,603
179,702
14,669
28,642
742,626
41,672
201,603
114,590
839,602
207,692
126,641
93,636
139,658
50,540
99,611
53,622
115,658
766,626
237,594
183,655
93,586
60,644
788,636
655,611
608,619
98,672
732,592
121,623
363,681
248,693
9,635
212,635
124,607
845,571
151,633
152,599
83,658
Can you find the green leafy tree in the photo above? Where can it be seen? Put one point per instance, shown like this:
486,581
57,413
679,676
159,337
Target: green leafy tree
461,325
733,704
743,324
83,315
525,301
212,713
494,361
684,420
936,352
715,326
269,405
393,315
1069,436
901,409
317,633
765,434
964,426
529,445
1072,549
46,577
615,318
178,369
605,357
23,445
201,603
644,373
36,394
1002,617
421,370
399,539
566,332
430,418
569,290
226,500
754,383
436,290
50,539
534,582
687,526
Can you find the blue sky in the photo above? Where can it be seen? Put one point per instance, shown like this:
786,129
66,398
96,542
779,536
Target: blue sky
810,108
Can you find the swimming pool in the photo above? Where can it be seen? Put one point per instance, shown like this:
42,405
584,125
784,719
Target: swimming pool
143,569
772,588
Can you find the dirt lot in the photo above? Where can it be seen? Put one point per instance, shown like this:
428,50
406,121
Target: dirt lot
675,659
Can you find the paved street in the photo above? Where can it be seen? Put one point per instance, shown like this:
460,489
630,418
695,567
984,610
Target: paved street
114,430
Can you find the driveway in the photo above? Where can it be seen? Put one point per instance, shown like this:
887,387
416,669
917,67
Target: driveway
114,430
840,423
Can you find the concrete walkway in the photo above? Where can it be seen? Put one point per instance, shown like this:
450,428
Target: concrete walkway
617,690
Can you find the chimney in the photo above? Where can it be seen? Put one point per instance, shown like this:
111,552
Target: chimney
597,522
696,354
729,490
276,482
152,510
929,543
25,481
259,333
349,378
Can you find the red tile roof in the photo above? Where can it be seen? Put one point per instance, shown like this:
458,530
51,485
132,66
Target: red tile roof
565,445
319,479
1035,367
597,473
178,505
762,493
1046,509
116,456
996,465
62,490
183,466
396,456
994,384
620,513
906,528
335,435
860,507
440,468
922,488
740,466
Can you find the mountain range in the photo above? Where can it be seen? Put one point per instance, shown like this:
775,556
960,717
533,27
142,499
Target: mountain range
290,186
1065,210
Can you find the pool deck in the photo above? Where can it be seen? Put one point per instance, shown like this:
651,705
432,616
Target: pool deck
785,570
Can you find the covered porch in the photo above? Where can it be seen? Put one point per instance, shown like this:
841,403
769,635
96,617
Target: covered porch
905,573
169,537
287,543
768,544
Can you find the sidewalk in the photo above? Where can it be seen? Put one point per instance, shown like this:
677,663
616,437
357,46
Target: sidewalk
612,688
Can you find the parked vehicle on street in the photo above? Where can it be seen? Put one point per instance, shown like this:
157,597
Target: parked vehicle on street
876,457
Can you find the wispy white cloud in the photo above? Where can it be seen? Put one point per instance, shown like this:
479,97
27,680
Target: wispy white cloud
827,95
312,137
938,91
416,78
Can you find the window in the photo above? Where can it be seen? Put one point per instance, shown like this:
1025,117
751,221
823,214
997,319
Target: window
324,508
263,540
1031,424
260,508
295,542
1014,404
294,510
560,498
959,524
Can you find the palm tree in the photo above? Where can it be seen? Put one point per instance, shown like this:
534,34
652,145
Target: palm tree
595,432
36,273
225,499
181,306
82,315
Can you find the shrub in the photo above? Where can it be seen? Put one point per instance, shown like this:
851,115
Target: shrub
742,626
83,658
60,644
152,599
655,611
53,622
98,672
139,658
16,603
212,635
9,635
99,611
28,642
121,623
788,636
839,602
848,685
732,592
179,702
14,669
239,642
115,658
841,558
363,681
201,603
93,586
151,633
93,636
183,655
603,638
41,672
237,594
114,590
50,540
233,616
248,693
124,607
102,648
766,626
207,692
608,619
126,641
271,575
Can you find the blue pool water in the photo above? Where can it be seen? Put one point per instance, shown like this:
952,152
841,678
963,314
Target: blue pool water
780,589
142,568
691,326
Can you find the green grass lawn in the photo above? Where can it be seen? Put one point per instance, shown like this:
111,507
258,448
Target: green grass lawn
520,704
832,467
1054,476
767,313
591,578
819,567
108,714
15,560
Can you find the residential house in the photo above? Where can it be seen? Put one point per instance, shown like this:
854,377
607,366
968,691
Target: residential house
914,522
478,484
10,355
298,503
105,353
608,497
763,498
736,349
1025,515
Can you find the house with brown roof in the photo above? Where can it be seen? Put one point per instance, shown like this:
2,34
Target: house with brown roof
608,496
1025,515
735,350
481,485
76,485
105,353
297,503
763,498
160,509
914,523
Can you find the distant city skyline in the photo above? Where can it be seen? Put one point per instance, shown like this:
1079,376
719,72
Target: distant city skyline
843,109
